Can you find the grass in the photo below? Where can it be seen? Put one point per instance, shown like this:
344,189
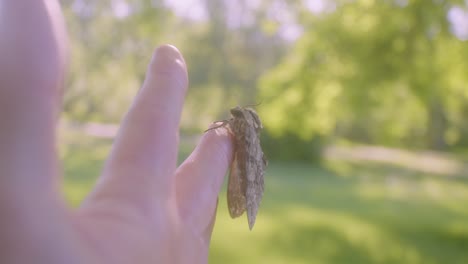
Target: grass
341,212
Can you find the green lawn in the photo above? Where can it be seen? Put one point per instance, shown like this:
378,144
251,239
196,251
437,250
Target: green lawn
341,212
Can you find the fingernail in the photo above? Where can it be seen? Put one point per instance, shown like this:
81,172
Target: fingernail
167,58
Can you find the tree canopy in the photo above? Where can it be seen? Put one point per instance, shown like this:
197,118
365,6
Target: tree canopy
389,72
386,72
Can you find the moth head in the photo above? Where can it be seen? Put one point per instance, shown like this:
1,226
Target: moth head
256,119
237,112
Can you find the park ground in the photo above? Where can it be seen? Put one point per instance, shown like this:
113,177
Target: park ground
364,204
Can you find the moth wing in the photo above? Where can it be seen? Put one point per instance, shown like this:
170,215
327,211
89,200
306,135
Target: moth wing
256,120
255,168
235,195
254,195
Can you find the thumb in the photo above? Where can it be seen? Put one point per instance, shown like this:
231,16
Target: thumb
200,177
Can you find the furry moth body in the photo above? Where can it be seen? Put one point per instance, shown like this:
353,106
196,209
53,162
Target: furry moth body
246,183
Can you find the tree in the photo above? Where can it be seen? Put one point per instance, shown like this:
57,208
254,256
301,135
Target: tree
384,72
109,55
110,51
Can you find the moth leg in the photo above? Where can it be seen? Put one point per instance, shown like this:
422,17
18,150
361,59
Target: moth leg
264,159
224,123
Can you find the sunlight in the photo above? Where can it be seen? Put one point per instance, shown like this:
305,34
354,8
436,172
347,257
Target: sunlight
458,17
189,9
121,8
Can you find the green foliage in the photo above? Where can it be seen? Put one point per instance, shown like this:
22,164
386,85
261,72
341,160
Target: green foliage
376,71
110,54
385,72
290,147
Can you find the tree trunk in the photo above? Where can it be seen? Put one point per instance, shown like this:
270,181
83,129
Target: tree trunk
437,126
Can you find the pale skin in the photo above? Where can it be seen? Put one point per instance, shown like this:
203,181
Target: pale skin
144,209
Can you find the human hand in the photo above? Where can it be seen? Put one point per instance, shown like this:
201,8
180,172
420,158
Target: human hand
143,209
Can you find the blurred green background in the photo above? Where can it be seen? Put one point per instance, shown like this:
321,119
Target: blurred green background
364,103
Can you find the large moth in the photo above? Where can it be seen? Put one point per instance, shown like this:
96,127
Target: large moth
245,184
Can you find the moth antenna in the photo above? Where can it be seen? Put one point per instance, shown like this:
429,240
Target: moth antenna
223,123
254,105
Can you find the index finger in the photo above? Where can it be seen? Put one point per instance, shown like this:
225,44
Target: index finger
143,159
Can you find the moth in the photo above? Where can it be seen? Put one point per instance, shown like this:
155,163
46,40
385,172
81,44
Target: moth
246,183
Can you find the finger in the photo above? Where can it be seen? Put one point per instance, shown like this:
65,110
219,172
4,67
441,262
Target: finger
200,177
32,62
144,155
209,228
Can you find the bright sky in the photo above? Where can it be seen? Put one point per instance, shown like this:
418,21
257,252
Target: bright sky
191,9
278,11
459,18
